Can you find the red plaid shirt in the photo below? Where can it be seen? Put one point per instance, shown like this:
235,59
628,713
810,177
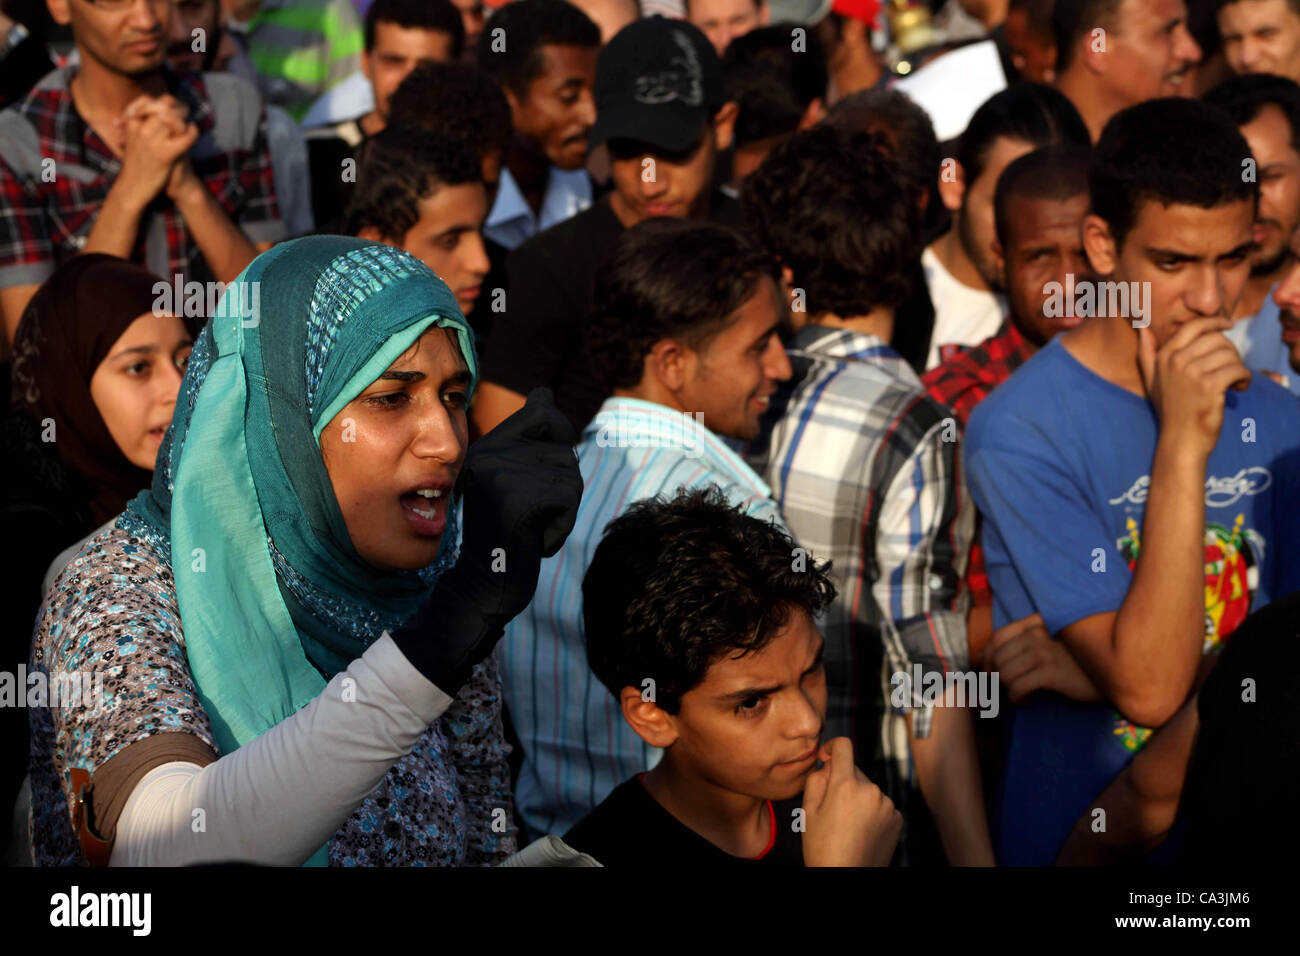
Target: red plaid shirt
55,173
961,383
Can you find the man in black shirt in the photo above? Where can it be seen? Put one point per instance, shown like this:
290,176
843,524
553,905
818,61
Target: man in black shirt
659,108
702,626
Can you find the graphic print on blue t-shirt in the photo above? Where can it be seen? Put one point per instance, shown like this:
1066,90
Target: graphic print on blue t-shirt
1059,464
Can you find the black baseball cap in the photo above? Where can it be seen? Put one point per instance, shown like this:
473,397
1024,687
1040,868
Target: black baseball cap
658,81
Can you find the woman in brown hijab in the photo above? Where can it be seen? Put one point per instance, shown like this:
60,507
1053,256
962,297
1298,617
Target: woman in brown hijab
94,382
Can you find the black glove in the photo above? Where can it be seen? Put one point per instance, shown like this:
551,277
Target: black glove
521,488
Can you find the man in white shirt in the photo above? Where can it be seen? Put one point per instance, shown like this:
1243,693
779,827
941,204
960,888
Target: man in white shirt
961,270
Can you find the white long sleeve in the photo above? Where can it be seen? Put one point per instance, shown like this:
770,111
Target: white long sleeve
280,797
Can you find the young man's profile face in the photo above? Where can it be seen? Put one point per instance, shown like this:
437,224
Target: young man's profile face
559,109
754,724
1044,244
130,41
1151,53
397,51
650,182
448,239
1196,260
1261,36
731,379
1278,171
978,230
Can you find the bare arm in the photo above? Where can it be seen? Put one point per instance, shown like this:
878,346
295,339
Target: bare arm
949,775
225,248
1141,803
1144,657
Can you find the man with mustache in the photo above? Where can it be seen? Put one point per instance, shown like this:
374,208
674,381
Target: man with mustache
121,155
1266,110
543,55
1113,54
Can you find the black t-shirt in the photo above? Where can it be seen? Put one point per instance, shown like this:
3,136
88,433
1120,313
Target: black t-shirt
537,339
629,828
1243,786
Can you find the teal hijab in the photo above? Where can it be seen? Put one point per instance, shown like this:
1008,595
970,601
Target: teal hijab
274,600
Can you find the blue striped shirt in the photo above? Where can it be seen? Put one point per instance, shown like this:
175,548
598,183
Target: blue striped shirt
577,747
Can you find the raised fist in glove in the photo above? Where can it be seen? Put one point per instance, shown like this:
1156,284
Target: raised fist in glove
521,487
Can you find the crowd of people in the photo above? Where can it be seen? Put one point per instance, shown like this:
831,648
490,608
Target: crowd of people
631,432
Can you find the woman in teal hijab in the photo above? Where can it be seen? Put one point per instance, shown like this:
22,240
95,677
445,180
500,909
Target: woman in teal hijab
281,636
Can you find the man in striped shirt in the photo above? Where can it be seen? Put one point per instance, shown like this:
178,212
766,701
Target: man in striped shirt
684,331
865,468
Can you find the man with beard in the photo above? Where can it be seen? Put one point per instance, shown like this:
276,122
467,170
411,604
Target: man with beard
961,270
546,67
175,168
1267,111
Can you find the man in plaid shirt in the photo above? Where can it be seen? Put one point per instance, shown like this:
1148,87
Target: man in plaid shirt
865,468
1039,206
122,155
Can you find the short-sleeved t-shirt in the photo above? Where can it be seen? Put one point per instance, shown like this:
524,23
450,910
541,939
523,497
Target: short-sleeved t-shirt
630,828
537,338
1059,463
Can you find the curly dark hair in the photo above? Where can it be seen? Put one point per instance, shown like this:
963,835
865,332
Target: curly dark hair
908,127
1169,151
667,278
676,584
401,166
833,207
530,25
436,16
455,101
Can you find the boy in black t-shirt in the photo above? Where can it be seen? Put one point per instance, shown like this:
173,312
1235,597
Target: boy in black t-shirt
700,620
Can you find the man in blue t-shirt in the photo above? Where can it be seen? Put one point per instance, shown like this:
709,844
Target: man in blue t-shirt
1137,484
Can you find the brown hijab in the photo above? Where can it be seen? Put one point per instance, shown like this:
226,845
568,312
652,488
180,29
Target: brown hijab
68,329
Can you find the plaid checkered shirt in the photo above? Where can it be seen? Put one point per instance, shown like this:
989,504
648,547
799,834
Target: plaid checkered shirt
55,173
961,383
865,468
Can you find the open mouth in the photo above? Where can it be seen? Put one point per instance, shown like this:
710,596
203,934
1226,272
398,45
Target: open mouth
425,509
